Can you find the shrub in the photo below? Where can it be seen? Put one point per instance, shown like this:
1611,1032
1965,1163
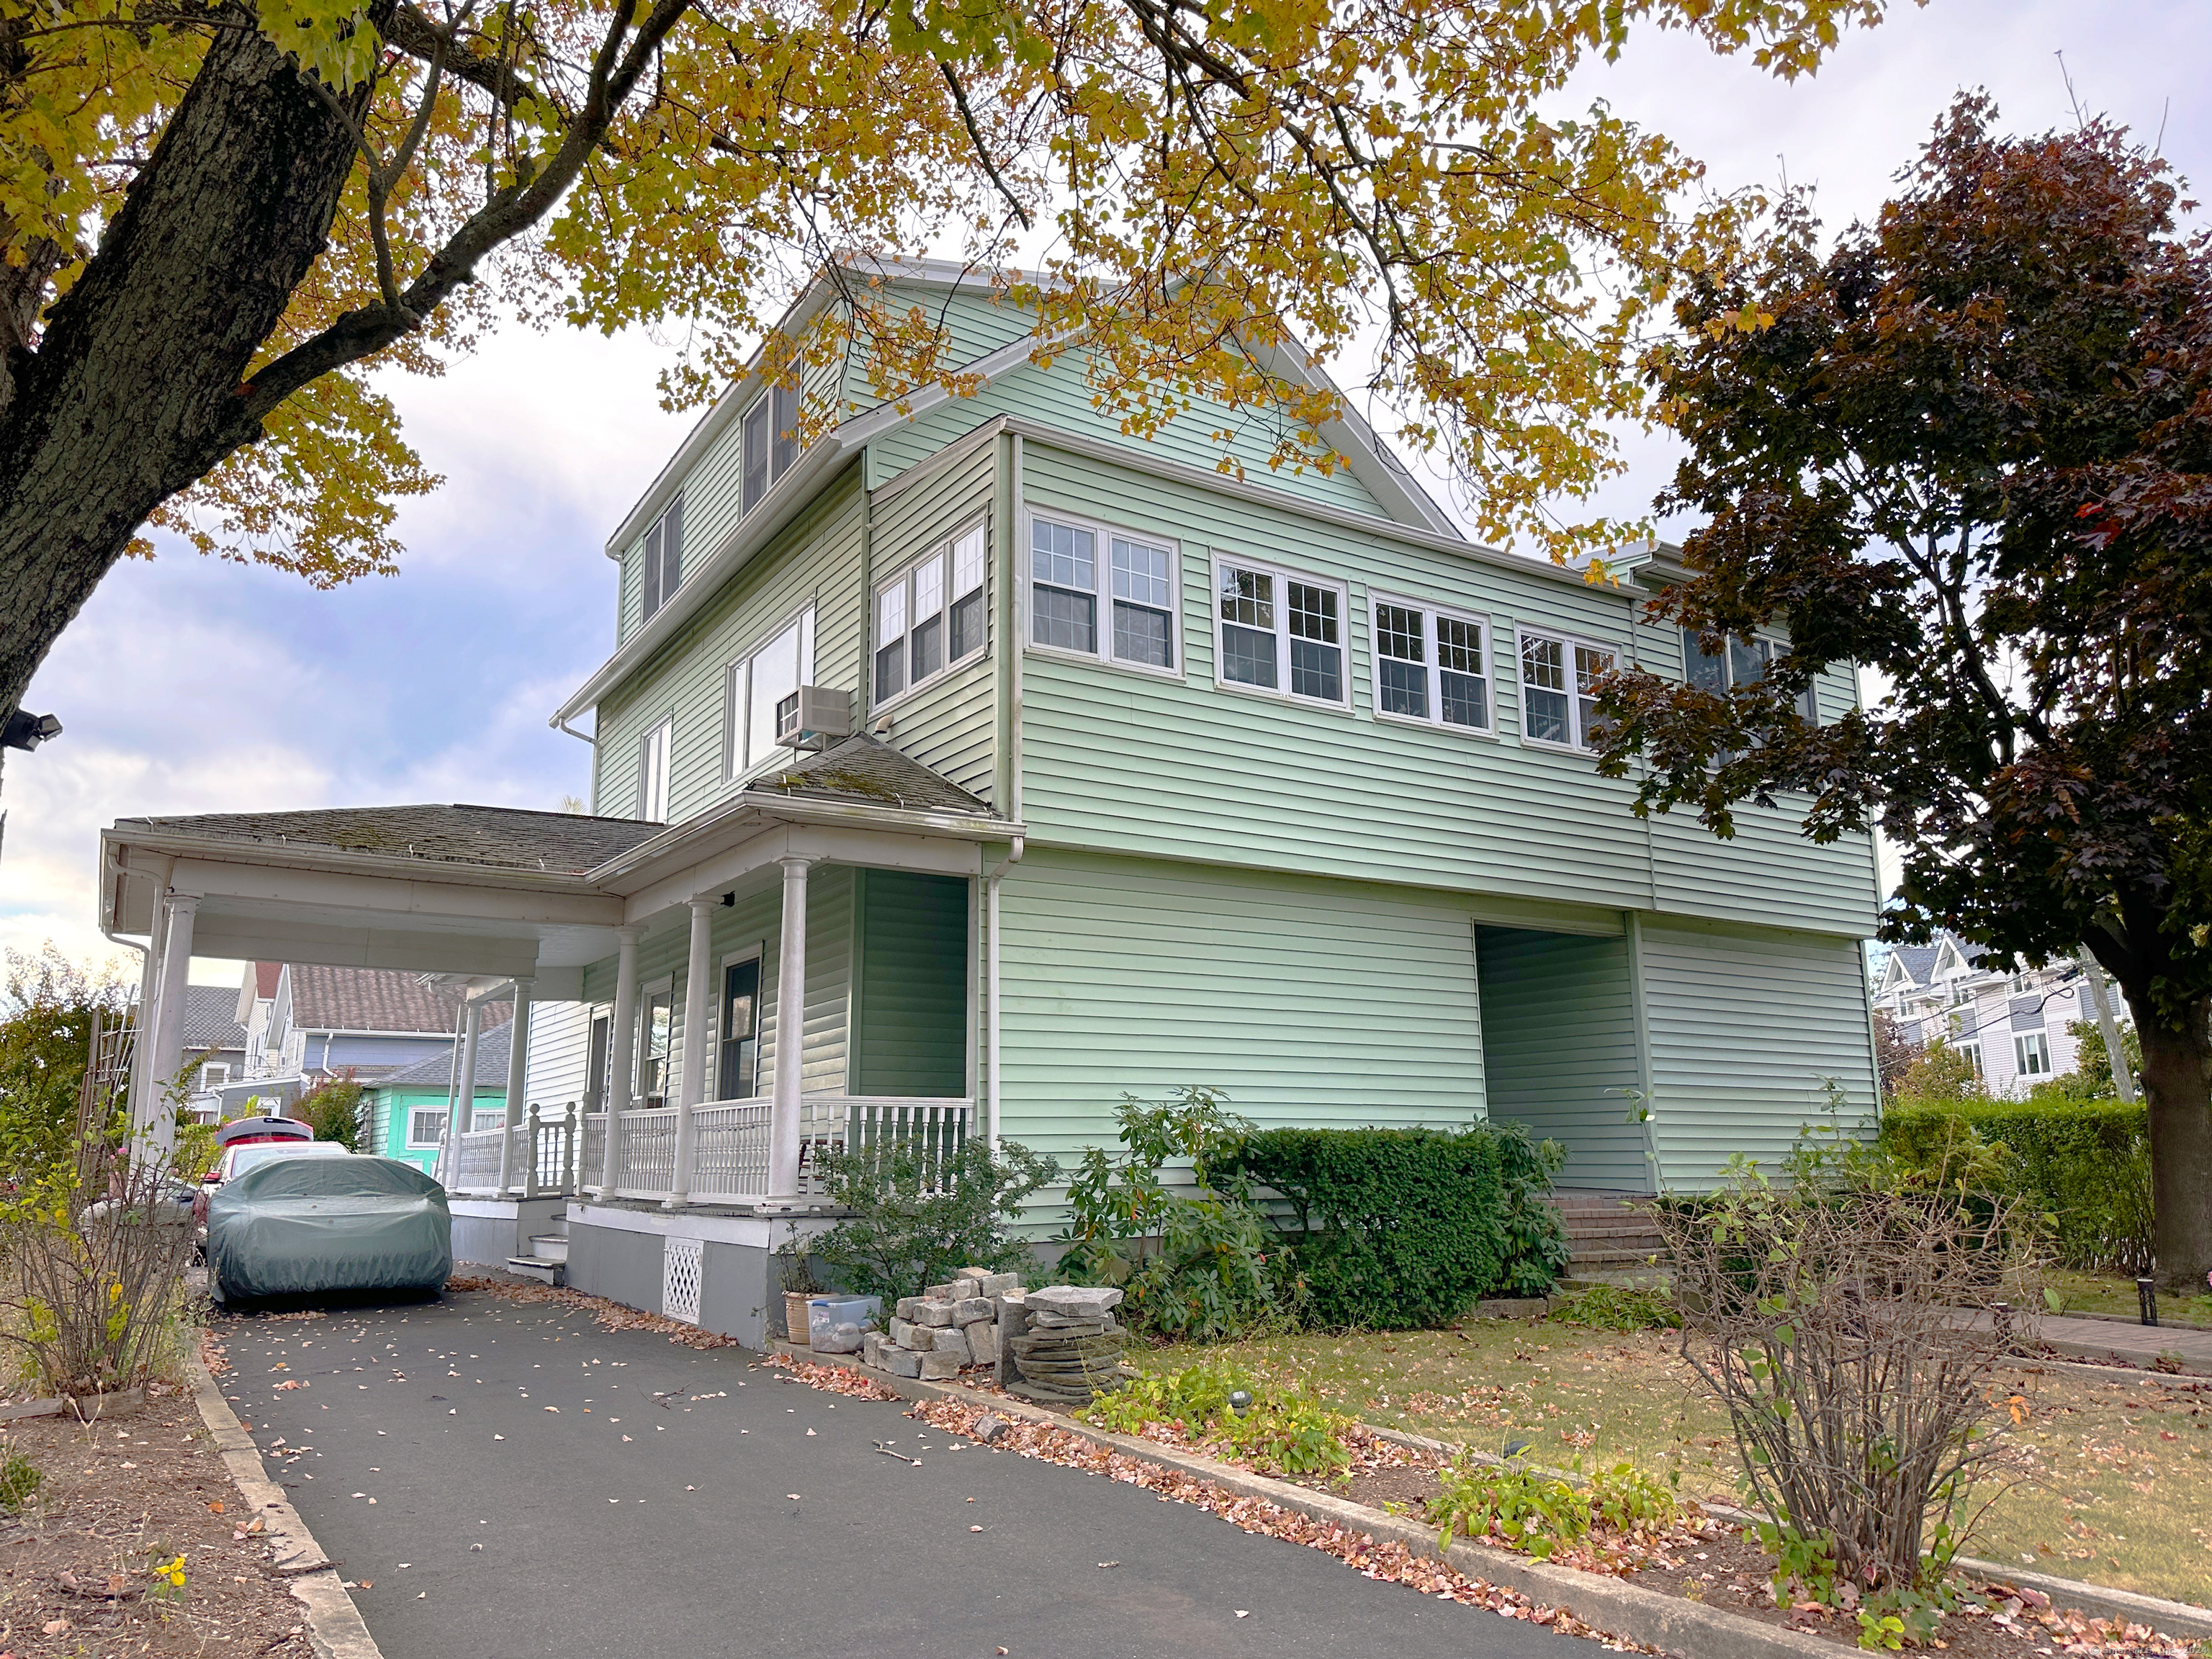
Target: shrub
1282,1430
1537,1249
2085,1164
1824,1316
1618,1307
1538,1512
19,1478
332,1110
1198,1267
1395,1227
919,1213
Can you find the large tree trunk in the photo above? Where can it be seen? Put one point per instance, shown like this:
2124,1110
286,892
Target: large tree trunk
132,393
2177,1080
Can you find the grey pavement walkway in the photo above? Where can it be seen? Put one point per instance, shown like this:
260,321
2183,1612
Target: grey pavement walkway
509,1480
2143,1345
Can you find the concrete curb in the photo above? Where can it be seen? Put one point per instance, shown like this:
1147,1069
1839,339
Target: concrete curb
335,1627
1614,1605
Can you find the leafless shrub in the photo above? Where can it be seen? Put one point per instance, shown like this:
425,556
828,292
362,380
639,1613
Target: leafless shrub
96,1258
1834,1322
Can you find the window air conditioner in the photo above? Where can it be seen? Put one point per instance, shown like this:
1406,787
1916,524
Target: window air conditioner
813,715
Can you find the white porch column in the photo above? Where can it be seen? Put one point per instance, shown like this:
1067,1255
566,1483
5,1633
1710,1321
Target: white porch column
621,1054
463,1117
691,1085
161,1116
517,1082
150,1000
790,1035
442,1171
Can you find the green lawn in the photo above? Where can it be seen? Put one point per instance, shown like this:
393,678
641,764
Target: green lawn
2109,1481
2082,1292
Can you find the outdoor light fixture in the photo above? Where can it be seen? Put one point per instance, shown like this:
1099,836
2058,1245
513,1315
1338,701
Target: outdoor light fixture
1239,1402
24,730
2147,1298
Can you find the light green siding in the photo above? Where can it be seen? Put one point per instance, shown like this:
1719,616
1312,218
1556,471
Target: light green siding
949,723
1559,1048
391,1109
1311,1002
1745,1024
1123,761
910,1004
816,559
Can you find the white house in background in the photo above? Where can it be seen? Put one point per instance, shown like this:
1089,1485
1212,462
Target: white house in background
2012,1026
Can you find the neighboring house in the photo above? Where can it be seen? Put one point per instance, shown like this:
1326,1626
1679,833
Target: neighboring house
404,1112
2014,1027
215,1043
300,1024
1161,767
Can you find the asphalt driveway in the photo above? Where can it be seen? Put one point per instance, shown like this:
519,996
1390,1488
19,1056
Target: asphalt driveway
509,1479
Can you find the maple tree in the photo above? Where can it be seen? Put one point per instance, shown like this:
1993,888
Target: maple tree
217,217
1969,447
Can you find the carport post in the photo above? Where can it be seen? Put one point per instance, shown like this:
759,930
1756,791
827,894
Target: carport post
449,1148
692,1085
624,1057
517,1082
790,1036
169,1021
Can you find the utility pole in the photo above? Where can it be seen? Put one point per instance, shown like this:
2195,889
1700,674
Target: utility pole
2123,1077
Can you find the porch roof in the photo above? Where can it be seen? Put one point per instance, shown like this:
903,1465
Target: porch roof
509,893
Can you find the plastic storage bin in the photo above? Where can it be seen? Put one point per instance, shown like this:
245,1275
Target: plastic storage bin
836,1324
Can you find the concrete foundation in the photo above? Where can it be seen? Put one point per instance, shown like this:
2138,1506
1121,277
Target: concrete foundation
488,1230
618,1252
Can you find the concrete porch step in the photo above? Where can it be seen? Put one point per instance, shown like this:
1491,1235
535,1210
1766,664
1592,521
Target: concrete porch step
549,1247
537,1268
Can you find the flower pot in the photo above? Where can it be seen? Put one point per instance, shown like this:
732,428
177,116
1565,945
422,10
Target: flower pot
794,1317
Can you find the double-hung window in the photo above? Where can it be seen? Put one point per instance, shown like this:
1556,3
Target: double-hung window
653,771
1074,567
770,441
2031,1051
929,618
426,1126
1559,702
1740,663
656,1044
661,566
1431,665
1277,632
755,684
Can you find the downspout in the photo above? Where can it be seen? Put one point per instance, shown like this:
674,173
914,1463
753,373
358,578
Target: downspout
561,724
991,975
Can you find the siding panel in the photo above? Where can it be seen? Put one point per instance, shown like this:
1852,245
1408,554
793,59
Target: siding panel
1559,1044
1744,1026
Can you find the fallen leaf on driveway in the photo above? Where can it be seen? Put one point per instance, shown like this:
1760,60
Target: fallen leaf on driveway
793,1496
1243,1613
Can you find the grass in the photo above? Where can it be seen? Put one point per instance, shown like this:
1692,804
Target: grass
2081,1292
2108,1482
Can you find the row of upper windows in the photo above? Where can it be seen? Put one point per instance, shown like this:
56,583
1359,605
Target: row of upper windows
1281,633
767,446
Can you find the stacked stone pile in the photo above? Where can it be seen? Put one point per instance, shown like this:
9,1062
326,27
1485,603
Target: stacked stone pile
947,1329
1071,1350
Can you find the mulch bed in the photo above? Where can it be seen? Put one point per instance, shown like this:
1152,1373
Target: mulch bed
1703,1559
119,1499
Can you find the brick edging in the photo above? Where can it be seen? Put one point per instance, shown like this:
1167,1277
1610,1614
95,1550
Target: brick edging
335,1627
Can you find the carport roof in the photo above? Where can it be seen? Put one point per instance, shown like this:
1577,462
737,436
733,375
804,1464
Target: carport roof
504,836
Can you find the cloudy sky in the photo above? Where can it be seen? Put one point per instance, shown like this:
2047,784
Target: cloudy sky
190,686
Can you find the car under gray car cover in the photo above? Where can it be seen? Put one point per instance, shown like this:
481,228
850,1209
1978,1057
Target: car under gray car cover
300,1225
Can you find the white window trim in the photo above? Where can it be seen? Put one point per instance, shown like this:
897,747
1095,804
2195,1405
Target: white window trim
646,992
210,1066
1778,646
737,697
414,1145
1523,631
1102,590
904,573
2019,1043
753,953
1282,574
666,724
1434,722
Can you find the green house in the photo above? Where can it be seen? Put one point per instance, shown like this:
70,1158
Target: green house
976,762
405,1113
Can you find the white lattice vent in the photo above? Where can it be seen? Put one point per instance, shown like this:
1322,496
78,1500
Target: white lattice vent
682,1265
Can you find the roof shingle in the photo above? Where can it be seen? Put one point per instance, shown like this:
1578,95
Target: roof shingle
437,1072
565,843
863,772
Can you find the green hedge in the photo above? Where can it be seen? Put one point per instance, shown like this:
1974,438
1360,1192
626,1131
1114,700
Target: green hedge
2087,1163
1395,1227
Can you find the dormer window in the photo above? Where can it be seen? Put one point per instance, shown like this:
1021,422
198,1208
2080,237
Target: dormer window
663,572
770,440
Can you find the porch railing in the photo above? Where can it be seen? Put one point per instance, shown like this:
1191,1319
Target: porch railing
559,1150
